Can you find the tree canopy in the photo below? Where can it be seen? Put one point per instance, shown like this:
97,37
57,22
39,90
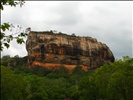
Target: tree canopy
109,82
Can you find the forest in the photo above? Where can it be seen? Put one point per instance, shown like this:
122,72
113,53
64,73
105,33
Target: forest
109,82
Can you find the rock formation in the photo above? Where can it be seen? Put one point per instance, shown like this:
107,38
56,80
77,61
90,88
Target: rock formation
52,50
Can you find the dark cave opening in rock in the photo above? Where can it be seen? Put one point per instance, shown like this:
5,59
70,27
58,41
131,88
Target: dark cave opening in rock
75,49
42,52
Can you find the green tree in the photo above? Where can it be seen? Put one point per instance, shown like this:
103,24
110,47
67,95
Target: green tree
13,62
40,71
88,89
12,85
121,81
101,79
36,88
5,39
56,88
5,60
11,3
109,82
73,34
78,70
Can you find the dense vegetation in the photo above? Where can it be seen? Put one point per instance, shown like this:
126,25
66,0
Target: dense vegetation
109,82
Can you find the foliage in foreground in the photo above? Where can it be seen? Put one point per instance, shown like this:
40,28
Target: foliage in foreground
109,82
6,28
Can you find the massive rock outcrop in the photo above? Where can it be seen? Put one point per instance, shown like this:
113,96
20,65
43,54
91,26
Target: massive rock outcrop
51,50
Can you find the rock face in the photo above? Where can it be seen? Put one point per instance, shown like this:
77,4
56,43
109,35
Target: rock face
51,50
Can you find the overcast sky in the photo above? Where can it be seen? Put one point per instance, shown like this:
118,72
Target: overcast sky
110,22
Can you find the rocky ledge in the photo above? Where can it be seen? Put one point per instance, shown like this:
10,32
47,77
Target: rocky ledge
52,50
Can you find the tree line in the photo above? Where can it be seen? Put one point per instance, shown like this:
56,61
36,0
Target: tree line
109,82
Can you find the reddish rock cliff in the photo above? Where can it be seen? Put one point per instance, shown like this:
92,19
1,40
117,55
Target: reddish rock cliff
51,50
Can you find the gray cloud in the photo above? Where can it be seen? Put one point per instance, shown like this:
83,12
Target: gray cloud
110,22
67,13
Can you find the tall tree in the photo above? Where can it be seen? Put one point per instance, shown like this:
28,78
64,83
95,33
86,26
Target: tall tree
121,81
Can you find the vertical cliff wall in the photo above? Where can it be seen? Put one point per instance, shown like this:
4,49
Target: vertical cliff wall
51,50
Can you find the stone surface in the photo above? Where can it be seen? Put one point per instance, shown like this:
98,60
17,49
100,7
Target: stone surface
52,50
